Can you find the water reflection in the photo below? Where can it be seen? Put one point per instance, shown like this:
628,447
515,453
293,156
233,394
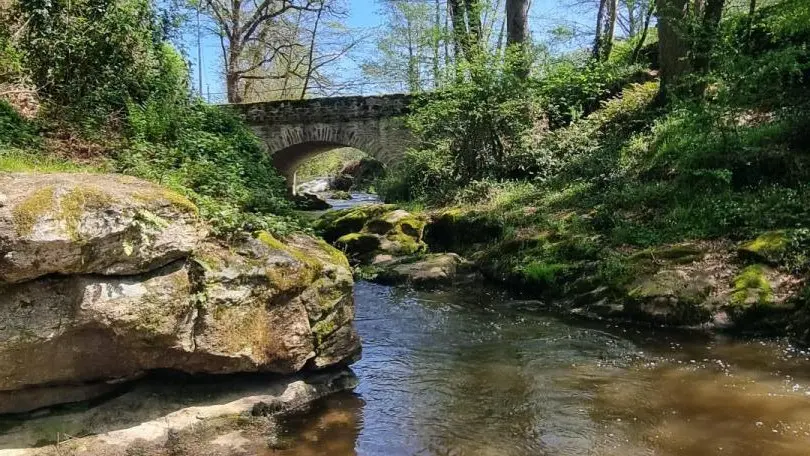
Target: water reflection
475,373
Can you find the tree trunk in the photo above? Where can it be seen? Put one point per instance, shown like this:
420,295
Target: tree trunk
517,34
437,42
673,45
459,28
646,27
713,12
475,30
517,14
752,8
597,42
232,76
311,55
611,29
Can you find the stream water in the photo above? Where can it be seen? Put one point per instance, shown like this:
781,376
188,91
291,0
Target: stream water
473,372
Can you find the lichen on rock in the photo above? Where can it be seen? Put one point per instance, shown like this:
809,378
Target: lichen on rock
89,224
109,284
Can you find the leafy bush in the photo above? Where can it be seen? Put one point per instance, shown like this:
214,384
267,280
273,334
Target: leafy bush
423,175
92,57
478,123
573,89
207,153
14,130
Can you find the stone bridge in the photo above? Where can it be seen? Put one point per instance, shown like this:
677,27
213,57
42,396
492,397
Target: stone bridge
296,130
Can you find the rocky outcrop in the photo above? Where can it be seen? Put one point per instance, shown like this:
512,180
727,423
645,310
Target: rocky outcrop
90,224
692,285
422,271
104,278
162,415
368,231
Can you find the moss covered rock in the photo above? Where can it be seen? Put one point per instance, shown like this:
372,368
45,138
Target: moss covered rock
91,224
131,286
359,244
457,229
671,296
335,224
423,270
768,247
371,230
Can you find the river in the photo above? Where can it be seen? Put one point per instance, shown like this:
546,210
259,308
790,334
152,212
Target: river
475,372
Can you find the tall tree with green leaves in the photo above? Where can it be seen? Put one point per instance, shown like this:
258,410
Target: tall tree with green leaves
408,47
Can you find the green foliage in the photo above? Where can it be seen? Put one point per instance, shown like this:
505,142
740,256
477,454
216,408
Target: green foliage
14,130
478,123
209,155
14,160
89,58
423,174
11,67
328,163
573,89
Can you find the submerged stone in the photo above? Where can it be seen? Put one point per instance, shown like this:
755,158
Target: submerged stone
423,270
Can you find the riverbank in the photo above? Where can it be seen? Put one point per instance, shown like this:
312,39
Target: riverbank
747,286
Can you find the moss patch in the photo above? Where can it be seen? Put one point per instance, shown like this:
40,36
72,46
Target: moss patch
68,208
358,243
752,287
78,201
313,265
768,247
27,213
175,199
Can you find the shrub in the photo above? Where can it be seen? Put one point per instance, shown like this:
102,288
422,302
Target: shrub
208,154
89,58
480,122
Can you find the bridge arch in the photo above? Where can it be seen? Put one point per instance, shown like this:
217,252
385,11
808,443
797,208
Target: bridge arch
296,130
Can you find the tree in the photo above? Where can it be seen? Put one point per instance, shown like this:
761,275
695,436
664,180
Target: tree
704,42
467,29
645,28
606,18
408,47
242,25
517,34
673,44
600,18
611,28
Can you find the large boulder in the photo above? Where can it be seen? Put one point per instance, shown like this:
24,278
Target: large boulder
361,173
154,295
90,224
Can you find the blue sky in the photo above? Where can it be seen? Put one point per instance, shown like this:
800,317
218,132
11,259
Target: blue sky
363,16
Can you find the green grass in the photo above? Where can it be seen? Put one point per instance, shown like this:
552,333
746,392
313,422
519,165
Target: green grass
17,161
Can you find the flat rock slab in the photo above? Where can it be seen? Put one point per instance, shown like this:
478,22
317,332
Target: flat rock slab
423,270
154,409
